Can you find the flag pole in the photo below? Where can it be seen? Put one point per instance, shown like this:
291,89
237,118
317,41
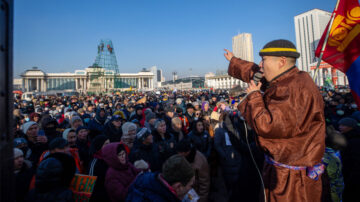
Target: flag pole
325,41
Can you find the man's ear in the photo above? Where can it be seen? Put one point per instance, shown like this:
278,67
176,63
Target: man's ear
282,62
176,186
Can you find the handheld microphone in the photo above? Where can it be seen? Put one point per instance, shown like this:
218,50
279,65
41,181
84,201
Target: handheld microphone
238,90
257,77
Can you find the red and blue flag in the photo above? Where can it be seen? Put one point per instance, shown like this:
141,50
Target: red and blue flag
342,50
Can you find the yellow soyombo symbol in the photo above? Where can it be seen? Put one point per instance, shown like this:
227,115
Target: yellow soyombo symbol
345,29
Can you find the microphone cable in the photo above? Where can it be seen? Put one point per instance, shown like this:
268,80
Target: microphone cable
253,159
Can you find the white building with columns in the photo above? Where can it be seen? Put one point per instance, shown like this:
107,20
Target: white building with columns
222,81
88,80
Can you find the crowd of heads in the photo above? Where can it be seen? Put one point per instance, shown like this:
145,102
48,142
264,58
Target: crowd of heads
155,132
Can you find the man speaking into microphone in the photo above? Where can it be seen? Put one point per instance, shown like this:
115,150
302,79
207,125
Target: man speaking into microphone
286,111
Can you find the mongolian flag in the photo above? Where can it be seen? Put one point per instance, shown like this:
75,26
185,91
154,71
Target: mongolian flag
342,50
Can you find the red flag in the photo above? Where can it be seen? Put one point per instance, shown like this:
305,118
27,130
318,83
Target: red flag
342,50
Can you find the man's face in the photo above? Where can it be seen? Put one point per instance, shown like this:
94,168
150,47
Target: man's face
272,66
190,110
71,138
32,132
162,128
148,140
182,190
83,133
170,114
117,123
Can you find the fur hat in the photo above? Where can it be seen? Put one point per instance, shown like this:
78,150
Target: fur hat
280,47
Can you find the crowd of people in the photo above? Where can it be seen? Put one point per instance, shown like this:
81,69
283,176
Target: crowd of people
159,146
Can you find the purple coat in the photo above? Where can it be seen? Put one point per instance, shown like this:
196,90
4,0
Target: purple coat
119,176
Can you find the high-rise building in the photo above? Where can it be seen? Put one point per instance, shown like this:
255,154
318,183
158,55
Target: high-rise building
106,56
242,46
309,27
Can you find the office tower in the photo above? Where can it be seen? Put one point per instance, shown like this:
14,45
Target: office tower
309,27
243,47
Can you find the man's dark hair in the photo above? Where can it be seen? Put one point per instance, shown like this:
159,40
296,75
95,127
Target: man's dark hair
177,169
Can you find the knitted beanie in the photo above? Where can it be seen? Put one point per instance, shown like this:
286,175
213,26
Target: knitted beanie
280,47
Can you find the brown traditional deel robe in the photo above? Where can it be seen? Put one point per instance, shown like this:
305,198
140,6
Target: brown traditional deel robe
289,121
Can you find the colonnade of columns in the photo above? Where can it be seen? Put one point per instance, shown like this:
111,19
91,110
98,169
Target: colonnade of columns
224,82
82,83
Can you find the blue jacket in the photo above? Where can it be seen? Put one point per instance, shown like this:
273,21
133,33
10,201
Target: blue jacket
147,187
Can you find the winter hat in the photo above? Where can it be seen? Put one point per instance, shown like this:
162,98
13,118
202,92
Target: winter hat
177,169
27,125
147,111
189,105
280,47
19,140
158,122
75,118
143,134
18,152
141,165
178,101
136,121
120,113
126,127
58,143
56,170
196,104
150,116
66,132
350,122
115,118
80,128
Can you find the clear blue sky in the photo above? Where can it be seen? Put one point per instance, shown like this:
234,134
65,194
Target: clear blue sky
175,35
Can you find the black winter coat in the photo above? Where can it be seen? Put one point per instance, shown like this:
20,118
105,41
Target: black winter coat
98,167
112,133
22,181
148,153
201,141
166,146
